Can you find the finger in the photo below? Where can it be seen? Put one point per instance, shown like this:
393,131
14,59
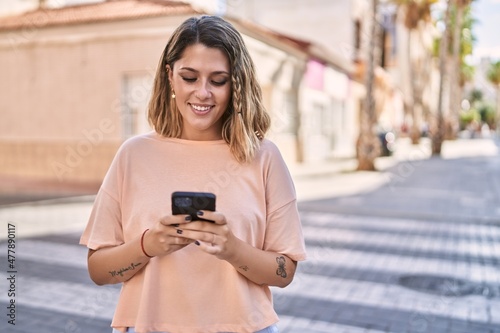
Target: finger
215,217
203,226
207,247
175,220
183,241
193,235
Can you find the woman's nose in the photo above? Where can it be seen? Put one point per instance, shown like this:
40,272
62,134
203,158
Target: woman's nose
203,91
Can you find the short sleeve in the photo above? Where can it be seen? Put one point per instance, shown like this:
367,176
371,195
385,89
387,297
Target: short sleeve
284,232
104,227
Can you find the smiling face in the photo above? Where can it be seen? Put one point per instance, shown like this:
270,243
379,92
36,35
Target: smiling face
201,80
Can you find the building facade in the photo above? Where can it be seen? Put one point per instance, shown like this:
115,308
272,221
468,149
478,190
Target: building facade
76,82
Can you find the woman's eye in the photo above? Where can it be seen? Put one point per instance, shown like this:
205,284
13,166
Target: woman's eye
219,83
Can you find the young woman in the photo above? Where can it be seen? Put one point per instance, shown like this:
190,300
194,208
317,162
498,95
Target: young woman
180,275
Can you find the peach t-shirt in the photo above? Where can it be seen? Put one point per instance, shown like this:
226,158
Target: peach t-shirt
189,290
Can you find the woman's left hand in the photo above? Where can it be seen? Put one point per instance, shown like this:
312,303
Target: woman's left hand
259,266
212,237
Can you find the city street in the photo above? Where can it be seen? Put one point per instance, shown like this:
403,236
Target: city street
413,247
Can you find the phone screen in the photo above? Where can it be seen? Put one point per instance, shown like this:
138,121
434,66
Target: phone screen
191,202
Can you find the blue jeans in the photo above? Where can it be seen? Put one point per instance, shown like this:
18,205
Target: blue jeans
270,329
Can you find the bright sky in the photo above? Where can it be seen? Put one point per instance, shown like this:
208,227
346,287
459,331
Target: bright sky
487,29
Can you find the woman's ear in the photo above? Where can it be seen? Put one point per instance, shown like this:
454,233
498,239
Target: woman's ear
169,74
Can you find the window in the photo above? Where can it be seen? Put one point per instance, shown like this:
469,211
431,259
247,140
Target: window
136,91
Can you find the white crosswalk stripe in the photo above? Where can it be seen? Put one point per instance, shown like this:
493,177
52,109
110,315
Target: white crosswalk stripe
301,325
63,297
53,253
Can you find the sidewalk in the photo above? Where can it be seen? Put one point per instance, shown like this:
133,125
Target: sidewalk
339,178
464,183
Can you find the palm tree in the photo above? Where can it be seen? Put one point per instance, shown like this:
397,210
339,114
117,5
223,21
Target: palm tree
460,7
494,77
466,47
416,12
438,130
368,145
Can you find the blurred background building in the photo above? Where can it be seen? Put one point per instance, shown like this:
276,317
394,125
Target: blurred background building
77,75
77,81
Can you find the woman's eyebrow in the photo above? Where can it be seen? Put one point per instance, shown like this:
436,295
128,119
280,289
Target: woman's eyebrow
189,69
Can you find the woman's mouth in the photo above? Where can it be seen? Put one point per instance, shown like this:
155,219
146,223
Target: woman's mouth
201,109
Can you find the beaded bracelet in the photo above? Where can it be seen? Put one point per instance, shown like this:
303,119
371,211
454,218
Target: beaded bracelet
142,244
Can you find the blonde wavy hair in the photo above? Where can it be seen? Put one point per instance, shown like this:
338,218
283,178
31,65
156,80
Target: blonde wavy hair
246,121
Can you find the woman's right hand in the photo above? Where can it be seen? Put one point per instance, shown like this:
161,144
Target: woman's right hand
165,237
120,263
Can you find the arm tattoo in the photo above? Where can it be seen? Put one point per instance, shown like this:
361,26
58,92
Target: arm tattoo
245,268
281,271
125,269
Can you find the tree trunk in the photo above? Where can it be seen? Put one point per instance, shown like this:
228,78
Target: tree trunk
424,82
368,145
438,126
415,107
415,81
455,72
298,74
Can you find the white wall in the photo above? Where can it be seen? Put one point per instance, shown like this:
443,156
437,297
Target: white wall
325,22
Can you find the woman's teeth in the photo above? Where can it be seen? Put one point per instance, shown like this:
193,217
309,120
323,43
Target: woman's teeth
201,108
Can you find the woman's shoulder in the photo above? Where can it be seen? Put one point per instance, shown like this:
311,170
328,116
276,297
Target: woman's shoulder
139,141
135,145
269,154
268,149
141,138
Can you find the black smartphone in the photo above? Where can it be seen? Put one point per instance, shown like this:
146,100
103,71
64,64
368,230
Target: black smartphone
191,202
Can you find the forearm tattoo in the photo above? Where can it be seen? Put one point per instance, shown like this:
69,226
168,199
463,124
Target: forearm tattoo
281,271
124,269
